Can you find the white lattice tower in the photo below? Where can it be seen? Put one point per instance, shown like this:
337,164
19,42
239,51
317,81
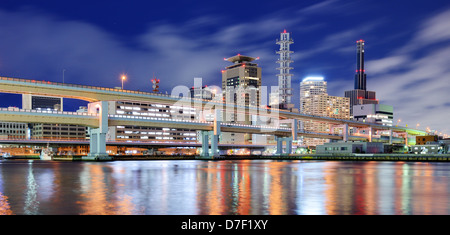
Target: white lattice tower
285,76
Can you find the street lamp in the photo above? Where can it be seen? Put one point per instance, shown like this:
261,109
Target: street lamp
123,78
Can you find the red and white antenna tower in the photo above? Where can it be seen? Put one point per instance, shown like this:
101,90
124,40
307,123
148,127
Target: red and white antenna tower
155,83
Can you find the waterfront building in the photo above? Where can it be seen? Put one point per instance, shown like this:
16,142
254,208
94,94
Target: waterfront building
360,95
159,112
350,147
314,100
285,76
374,113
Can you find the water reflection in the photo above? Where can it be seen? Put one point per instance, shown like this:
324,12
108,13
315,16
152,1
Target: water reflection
260,187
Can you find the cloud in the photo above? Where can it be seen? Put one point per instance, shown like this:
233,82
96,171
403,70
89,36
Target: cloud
415,79
385,64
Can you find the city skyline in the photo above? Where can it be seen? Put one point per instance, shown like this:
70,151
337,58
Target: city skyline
408,53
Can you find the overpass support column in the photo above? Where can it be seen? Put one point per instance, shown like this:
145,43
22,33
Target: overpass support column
390,136
280,140
370,134
345,133
205,144
279,145
97,142
214,134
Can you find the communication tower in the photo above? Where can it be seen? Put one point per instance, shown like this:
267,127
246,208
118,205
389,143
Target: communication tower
285,76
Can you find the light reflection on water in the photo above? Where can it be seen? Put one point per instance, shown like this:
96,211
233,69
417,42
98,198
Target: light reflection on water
243,187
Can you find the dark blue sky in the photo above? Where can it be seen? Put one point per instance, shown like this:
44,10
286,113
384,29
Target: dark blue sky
407,45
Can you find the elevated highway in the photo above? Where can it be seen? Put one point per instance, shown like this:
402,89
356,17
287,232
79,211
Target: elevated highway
94,94
99,121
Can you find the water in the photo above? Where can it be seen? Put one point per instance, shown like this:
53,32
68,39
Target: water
242,187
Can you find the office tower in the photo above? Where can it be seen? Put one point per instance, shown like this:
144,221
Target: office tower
311,86
314,100
285,76
359,95
241,84
51,131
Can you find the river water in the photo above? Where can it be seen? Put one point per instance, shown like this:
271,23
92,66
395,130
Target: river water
238,187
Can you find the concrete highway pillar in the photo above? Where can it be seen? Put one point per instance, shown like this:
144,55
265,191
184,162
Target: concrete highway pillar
97,142
215,145
294,129
279,145
205,144
288,145
280,140
370,134
390,136
345,133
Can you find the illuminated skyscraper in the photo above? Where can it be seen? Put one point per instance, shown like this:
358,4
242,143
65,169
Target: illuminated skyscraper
284,77
360,76
241,83
314,100
360,95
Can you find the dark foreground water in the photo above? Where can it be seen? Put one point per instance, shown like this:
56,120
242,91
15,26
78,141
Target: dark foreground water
246,187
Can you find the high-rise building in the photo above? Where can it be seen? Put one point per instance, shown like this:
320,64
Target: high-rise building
311,86
241,84
314,100
285,76
359,95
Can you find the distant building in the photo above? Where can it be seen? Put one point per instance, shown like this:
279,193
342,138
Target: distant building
423,140
42,102
374,113
314,100
203,92
360,95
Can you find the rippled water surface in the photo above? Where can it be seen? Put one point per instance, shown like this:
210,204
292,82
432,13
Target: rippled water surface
247,187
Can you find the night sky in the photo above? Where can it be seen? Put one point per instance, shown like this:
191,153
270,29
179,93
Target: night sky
407,46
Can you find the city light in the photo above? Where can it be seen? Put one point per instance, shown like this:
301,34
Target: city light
123,79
